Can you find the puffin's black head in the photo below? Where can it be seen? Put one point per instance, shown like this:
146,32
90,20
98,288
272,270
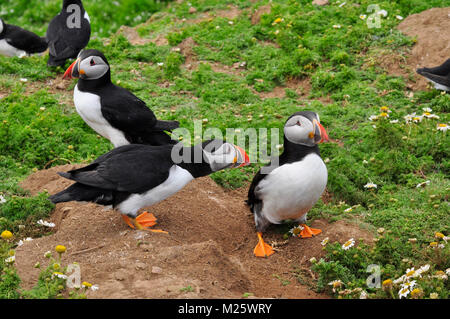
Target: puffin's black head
89,65
304,128
66,3
212,156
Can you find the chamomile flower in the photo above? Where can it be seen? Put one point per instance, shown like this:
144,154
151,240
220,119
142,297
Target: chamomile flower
373,117
60,275
442,127
94,287
409,284
10,260
428,115
325,241
434,295
370,185
2,200
348,244
423,184
295,231
393,121
399,280
411,273
336,26
45,223
336,284
383,13
399,17
384,114
440,275
408,118
404,292
427,109
362,16
417,119
348,210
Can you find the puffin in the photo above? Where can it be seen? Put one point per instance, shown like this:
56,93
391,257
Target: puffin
289,186
68,33
110,110
439,75
133,176
15,41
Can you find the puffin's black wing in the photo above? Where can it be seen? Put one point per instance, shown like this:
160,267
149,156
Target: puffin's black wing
443,69
23,39
126,112
130,168
63,42
252,197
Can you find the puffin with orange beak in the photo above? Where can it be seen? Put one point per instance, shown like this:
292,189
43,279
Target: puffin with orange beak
134,176
112,111
291,188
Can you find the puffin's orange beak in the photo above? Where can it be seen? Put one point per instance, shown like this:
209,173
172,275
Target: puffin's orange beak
72,71
323,134
242,157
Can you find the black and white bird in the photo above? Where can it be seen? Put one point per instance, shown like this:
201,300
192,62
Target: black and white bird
112,111
15,41
439,75
293,182
68,33
134,176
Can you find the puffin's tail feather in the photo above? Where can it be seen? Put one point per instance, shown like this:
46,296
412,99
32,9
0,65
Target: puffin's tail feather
81,193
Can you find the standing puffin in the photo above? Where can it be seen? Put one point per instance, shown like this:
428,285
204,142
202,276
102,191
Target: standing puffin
15,41
110,110
68,33
289,190
439,75
133,176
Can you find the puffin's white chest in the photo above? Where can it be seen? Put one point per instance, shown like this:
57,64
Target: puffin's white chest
290,190
438,86
9,50
88,107
178,178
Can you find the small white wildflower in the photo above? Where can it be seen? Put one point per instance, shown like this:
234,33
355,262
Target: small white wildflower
94,287
59,275
230,22
370,185
45,223
447,271
423,184
325,241
2,200
399,17
336,26
442,127
427,110
349,243
403,293
160,64
363,295
373,117
365,162
408,284
393,121
23,80
400,279
362,16
10,260
348,210
342,4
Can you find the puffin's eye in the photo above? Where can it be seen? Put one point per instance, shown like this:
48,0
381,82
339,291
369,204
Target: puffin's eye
298,123
92,62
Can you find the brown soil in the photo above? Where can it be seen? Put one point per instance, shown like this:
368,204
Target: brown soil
256,16
209,246
301,87
432,47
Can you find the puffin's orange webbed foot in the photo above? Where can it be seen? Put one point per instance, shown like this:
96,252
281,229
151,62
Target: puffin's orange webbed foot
308,232
262,249
146,220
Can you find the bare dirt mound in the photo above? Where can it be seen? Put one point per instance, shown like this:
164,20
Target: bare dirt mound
433,43
209,246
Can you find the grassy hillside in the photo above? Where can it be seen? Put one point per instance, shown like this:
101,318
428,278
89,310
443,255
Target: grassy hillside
331,47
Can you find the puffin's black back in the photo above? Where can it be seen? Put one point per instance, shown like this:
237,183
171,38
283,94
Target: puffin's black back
23,39
64,42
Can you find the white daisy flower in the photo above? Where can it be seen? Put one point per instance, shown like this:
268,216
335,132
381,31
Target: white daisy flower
95,287
363,295
336,284
442,127
325,241
427,109
373,117
417,119
370,185
2,200
342,4
23,80
403,293
10,260
20,243
447,271
348,210
160,64
399,17
59,275
423,269
336,26
400,279
423,184
365,162
362,16
393,121
295,231
408,284
428,115
349,243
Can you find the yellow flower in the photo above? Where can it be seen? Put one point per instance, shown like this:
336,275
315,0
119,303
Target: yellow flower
56,266
6,234
384,114
277,20
416,293
433,244
439,235
434,295
86,284
384,108
60,249
387,284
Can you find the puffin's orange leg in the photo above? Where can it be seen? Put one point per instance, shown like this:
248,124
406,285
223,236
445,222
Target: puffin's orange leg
262,249
146,220
308,232
127,220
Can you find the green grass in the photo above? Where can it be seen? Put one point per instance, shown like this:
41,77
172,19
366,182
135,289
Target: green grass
295,41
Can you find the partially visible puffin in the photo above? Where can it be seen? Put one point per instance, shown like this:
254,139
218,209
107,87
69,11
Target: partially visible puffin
110,110
439,75
133,176
68,33
290,189
15,41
